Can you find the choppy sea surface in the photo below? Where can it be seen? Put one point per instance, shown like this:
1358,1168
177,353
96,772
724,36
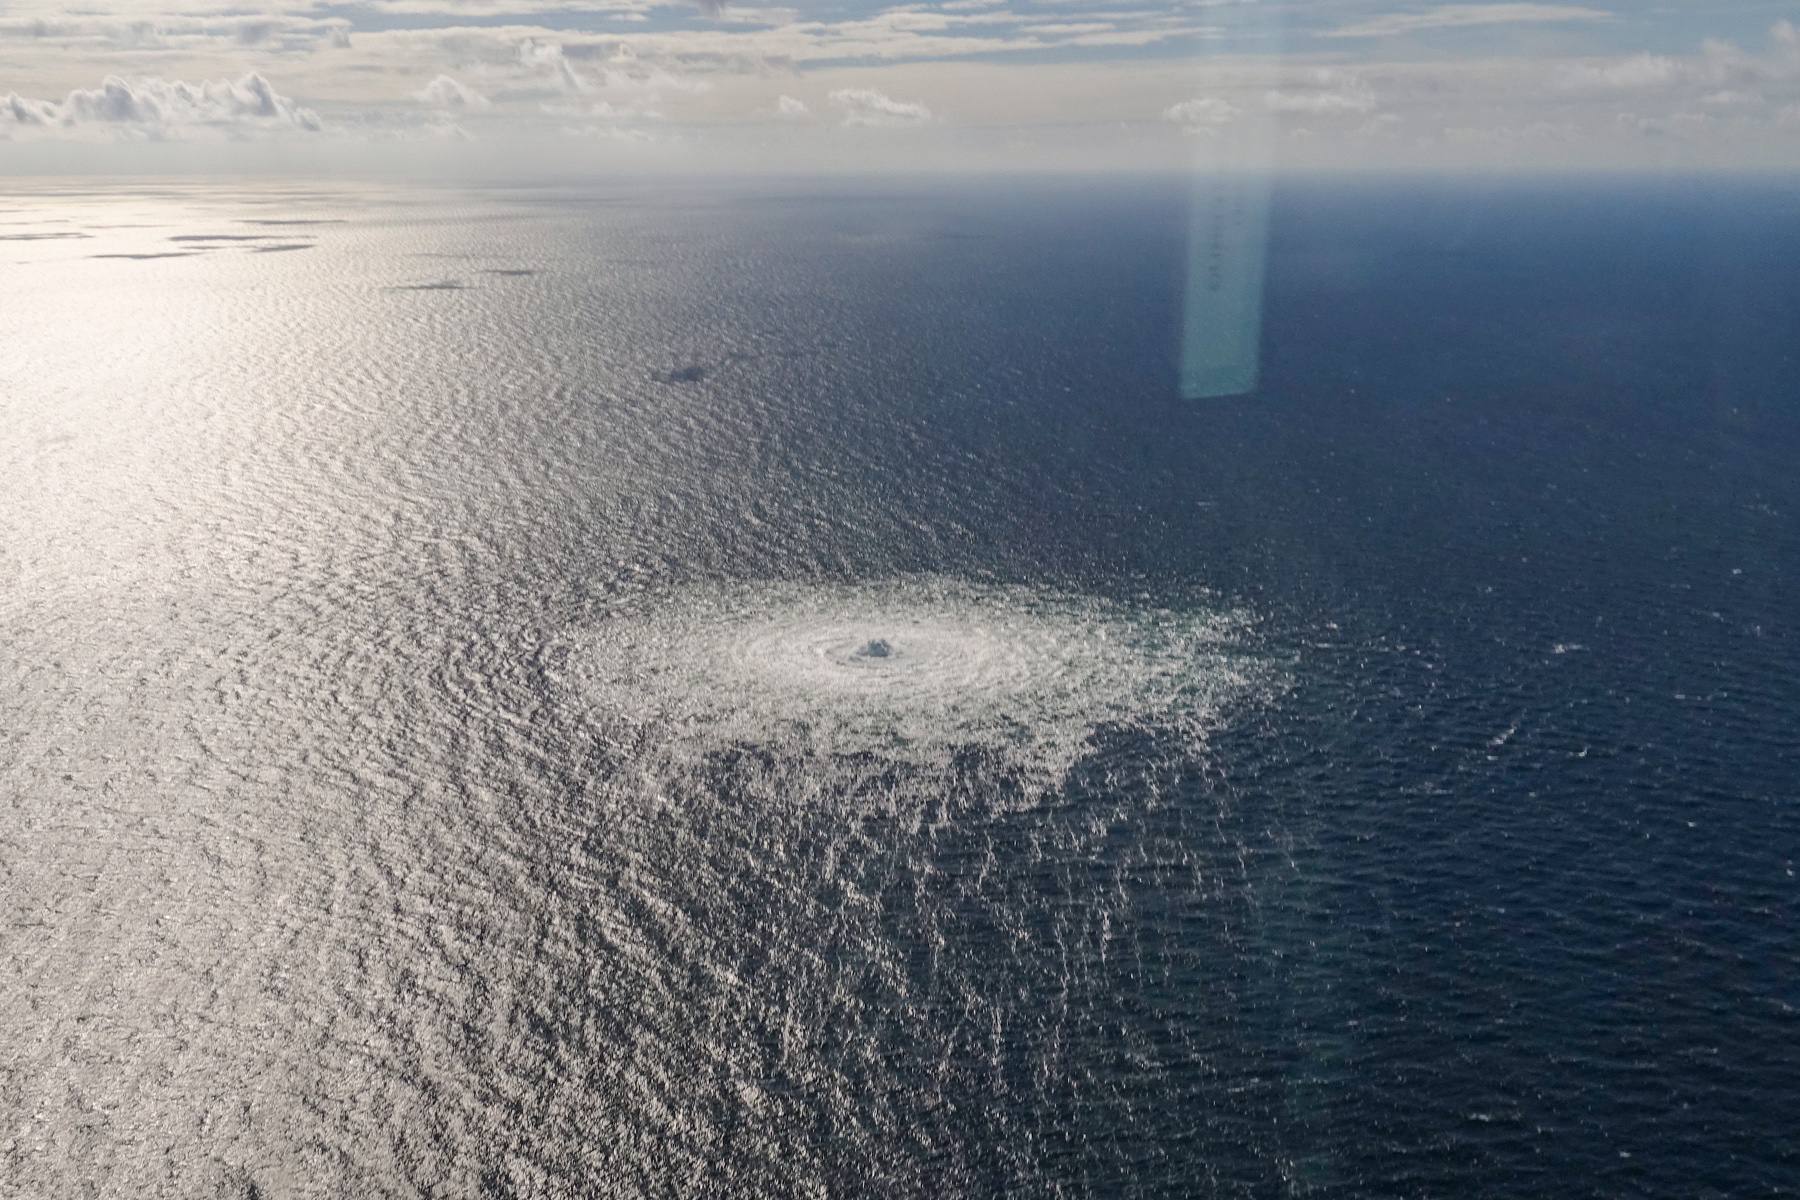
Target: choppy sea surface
737,691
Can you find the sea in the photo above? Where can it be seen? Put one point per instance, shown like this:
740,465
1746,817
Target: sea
766,689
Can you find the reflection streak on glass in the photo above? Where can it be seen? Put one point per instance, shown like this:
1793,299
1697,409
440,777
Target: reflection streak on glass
1228,230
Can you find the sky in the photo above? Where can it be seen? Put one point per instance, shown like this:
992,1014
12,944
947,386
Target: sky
522,88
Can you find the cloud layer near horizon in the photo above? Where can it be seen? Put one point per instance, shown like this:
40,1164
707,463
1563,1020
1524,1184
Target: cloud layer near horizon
158,108
1073,83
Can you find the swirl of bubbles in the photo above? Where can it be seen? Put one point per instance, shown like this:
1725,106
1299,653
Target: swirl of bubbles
912,671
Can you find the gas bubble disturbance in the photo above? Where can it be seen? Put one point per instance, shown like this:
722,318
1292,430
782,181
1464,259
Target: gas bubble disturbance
911,671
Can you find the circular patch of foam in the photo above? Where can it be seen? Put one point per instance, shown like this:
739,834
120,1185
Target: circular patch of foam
912,670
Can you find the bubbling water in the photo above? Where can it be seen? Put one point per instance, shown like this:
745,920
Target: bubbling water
911,671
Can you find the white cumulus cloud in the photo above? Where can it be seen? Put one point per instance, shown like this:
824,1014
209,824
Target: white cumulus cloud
1323,92
1202,115
548,57
445,92
866,106
1353,99
160,108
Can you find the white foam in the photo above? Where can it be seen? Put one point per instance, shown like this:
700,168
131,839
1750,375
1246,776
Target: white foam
911,670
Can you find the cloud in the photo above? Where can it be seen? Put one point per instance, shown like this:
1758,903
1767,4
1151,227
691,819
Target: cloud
1001,81
549,57
866,106
603,110
1640,72
1462,16
1318,102
1329,92
161,109
445,92
628,70
1202,115
97,32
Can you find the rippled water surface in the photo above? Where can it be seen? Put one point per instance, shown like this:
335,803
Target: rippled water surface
711,692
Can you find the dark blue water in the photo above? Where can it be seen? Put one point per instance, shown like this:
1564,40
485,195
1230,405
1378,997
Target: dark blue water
348,862
1531,447
1520,484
